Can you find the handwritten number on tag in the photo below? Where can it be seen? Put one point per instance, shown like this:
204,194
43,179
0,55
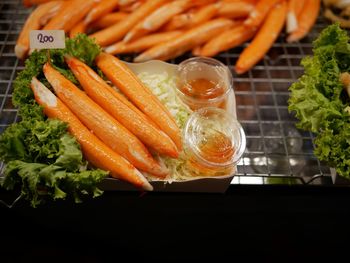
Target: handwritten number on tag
44,39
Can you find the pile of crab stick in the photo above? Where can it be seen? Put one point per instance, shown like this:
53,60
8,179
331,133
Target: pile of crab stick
165,29
118,132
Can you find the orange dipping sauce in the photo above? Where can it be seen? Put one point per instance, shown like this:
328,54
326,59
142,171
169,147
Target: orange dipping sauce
217,148
203,82
203,89
213,143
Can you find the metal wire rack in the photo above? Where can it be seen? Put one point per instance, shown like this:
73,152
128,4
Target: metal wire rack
277,153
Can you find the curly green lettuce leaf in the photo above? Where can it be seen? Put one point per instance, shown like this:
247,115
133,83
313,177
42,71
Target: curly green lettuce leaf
40,181
41,157
319,101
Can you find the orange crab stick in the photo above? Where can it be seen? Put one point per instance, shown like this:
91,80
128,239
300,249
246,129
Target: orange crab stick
190,39
260,11
121,76
203,14
109,99
226,40
77,29
116,32
52,12
156,19
70,15
142,43
264,39
104,126
32,23
29,3
306,20
109,20
179,21
102,8
238,9
294,9
94,150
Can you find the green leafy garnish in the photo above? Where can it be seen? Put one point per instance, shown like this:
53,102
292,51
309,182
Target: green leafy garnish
319,101
40,155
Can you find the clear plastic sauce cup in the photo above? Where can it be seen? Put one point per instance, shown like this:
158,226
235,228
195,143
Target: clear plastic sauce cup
214,142
203,82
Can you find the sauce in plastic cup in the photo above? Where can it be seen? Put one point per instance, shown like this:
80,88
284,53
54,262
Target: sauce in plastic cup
203,82
214,142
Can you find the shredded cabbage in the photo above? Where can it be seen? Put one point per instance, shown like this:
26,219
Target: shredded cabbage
164,87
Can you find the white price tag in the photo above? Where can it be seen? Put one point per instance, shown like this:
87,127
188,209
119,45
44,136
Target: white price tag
46,39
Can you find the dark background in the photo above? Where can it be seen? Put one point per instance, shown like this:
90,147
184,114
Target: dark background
267,223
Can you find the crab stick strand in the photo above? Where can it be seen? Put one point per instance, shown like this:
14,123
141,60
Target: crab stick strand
70,15
142,43
104,7
109,19
260,12
52,12
235,9
227,40
156,19
78,29
294,9
203,15
116,32
29,3
306,20
178,22
264,39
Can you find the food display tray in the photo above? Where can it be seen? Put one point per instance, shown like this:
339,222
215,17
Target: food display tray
276,153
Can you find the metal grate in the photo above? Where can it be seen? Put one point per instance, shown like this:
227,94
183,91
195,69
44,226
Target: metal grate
276,151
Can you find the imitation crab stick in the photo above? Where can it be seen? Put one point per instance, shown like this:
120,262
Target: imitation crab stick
122,77
103,125
109,20
264,39
29,3
52,12
178,21
94,150
102,8
190,39
306,20
142,43
294,9
70,15
237,9
131,7
260,12
253,2
78,29
203,14
133,119
156,19
116,32
226,40
32,23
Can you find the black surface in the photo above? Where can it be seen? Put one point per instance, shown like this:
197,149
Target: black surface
270,222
